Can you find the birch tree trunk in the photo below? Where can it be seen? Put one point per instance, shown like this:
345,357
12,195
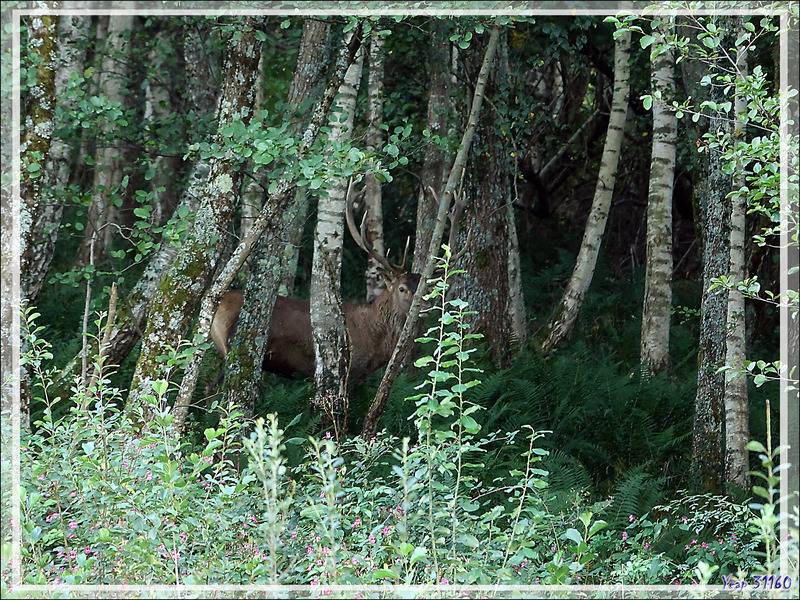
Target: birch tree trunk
435,163
307,84
657,304
516,299
328,331
275,258
108,160
737,411
566,313
708,460
190,274
372,187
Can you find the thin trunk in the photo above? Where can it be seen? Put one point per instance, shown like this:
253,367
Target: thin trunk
189,276
267,225
382,395
708,461
566,313
372,187
329,334
109,158
658,276
307,85
737,412
516,299
274,261
435,163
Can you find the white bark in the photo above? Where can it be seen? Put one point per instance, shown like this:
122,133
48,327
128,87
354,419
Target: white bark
327,320
372,196
108,158
566,313
737,412
57,169
658,275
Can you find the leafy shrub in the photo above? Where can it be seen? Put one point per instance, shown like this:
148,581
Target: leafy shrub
108,500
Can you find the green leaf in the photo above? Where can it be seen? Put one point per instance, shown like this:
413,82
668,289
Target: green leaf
757,489
597,526
160,387
573,535
646,40
383,574
418,553
469,424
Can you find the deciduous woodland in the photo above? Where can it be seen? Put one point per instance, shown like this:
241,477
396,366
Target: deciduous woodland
407,299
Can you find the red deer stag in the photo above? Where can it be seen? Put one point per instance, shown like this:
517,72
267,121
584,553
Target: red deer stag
373,328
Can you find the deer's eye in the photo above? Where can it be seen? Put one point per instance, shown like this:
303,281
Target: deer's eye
402,289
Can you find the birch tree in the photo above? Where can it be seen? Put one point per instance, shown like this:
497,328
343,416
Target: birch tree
656,309
328,331
566,313
108,159
190,274
35,145
275,258
737,412
39,241
516,300
372,187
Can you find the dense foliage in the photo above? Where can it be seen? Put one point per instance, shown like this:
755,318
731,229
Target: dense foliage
104,502
493,465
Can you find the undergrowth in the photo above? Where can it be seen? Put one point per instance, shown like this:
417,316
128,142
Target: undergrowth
463,501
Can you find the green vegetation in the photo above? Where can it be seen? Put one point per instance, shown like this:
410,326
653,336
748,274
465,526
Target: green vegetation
105,503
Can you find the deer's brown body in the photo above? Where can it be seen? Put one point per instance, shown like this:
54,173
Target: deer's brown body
373,329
